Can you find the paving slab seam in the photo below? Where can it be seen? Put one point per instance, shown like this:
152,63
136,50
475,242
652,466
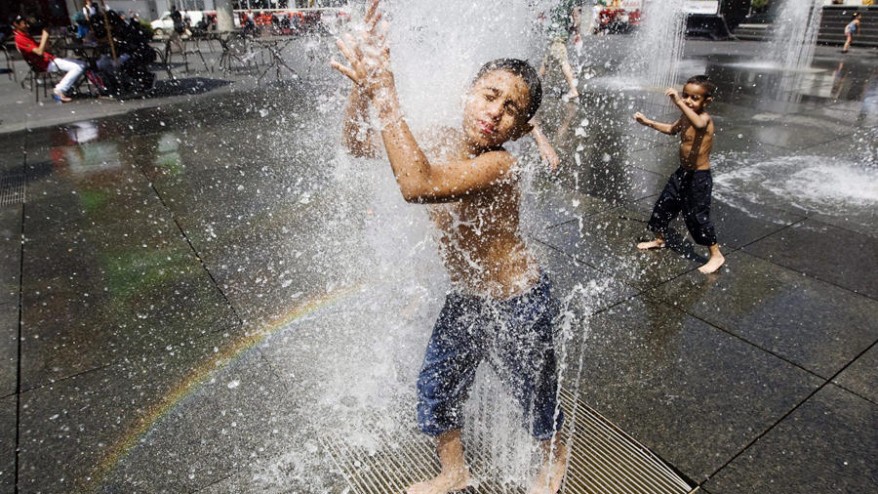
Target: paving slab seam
81,373
15,461
859,355
807,218
745,340
194,250
828,382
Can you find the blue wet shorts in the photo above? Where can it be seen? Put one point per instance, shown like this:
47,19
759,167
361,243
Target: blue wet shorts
515,336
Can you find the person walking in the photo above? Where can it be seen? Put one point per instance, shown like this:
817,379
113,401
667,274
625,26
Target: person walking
850,30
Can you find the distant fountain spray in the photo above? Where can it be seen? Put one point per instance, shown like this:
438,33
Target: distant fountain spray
795,33
658,46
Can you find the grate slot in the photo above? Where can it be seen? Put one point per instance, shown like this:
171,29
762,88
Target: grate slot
603,460
12,189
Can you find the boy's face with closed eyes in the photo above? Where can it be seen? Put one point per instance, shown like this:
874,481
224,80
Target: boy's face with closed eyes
695,97
495,110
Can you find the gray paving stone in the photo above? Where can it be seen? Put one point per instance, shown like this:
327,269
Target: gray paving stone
10,253
76,431
607,241
8,425
861,377
809,322
228,422
839,256
693,394
8,349
596,289
828,444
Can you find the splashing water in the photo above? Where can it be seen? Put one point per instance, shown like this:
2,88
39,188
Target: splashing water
658,46
437,47
378,338
832,187
795,33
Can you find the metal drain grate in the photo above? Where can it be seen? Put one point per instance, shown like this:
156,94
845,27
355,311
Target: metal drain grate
12,189
603,460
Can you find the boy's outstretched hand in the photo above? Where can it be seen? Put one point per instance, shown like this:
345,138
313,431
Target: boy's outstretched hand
367,54
641,118
673,94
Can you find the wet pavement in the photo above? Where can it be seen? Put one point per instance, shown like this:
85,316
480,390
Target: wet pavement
190,283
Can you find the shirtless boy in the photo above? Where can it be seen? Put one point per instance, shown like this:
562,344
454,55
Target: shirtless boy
688,190
501,308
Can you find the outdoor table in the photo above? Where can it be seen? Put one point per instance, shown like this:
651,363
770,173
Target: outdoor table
235,48
275,47
88,52
186,42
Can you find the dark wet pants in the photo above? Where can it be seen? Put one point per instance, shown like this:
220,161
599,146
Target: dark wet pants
515,336
687,191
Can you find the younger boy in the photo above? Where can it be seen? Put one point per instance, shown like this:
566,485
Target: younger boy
688,189
501,307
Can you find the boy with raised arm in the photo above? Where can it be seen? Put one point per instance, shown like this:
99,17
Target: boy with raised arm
501,307
688,190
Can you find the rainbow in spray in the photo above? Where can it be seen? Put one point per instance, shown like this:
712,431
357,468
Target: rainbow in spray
187,386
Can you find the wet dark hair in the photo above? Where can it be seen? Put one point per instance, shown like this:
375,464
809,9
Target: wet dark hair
527,73
856,15
705,82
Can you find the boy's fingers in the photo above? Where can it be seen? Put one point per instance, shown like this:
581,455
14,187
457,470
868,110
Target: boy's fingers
371,23
347,71
346,51
370,11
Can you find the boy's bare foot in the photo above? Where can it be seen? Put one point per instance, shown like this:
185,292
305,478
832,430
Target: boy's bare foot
712,264
454,474
552,473
443,483
652,244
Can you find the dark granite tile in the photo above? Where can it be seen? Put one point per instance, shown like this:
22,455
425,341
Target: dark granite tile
12,149
580,285
809,322
662,160
75,431
691,393
860,377
66,333
607,241
8,424
229,421
828,444
788,136
10,253
839,256
556,204
8,349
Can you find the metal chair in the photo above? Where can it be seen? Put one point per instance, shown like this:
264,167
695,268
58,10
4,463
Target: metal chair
36,78
10,66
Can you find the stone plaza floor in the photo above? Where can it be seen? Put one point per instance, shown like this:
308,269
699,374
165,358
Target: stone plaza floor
197,285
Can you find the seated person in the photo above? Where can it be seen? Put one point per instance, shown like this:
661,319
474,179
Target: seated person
41,60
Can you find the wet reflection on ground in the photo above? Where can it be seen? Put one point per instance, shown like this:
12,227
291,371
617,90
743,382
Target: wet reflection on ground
187,269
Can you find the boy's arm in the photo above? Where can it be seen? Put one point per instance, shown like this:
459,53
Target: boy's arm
699,121
422,181
547,151
357,134
418,179
664,128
